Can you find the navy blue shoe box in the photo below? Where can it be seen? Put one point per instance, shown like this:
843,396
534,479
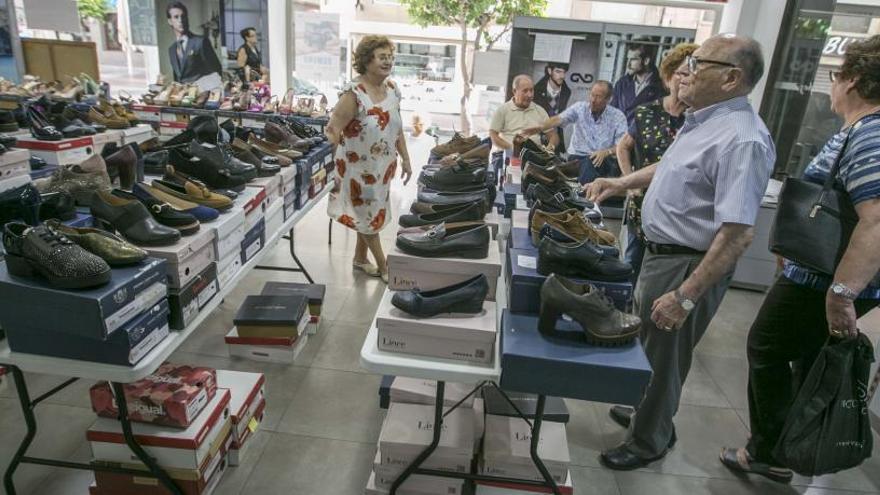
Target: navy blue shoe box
385,391
124,347
520,238
567,366
254,240
303,181
524,282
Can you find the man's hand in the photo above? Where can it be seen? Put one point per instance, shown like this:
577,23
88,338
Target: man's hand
635,193
405,171
841,315
530,131
449,159
667,313
601,189
598,157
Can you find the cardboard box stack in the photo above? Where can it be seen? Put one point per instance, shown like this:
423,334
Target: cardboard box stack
181,419
270,328
507,444
314,292
246,405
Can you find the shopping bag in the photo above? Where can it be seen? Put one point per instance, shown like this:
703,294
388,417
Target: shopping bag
828,428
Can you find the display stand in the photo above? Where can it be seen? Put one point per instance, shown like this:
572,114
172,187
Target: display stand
443,370
17,363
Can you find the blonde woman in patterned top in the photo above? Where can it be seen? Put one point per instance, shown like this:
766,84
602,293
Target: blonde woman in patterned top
653,128
368,133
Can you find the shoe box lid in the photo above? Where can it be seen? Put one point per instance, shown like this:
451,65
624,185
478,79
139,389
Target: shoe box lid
187,258
521,240
408,428
315,292
14,162
554,408
419,391
193,437
520,219
109,136
228,231
479,328
188,301
410,272
508,441
272,185
125,347
13,182
534,363
524,288
94,313
271,310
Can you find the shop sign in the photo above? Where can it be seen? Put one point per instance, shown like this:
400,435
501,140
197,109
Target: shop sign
835,46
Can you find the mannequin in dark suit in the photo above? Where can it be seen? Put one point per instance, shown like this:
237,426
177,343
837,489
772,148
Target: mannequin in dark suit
191,56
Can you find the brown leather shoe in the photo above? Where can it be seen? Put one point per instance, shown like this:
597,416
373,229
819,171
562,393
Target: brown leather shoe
458,144
110,120
124,164
550,177
241,147
272,149
284,137
572,223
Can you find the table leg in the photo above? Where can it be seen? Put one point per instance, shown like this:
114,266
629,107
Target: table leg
300,267
31,423
148,461
330,232
438,423
533,451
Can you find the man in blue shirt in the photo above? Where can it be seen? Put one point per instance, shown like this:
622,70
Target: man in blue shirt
640,85
597,129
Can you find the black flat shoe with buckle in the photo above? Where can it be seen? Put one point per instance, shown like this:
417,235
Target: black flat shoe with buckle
130,218
163,212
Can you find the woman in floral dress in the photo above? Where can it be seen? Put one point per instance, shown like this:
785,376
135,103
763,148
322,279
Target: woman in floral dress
368,133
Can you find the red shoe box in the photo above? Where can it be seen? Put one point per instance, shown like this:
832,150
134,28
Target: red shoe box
172,448
172,396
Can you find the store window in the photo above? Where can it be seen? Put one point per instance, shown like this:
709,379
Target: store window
239,14
797,102
424,62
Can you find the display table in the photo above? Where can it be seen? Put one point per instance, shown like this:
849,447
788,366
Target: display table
18,363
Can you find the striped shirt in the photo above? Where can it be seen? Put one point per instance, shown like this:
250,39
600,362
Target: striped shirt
860,176
715,172
591,134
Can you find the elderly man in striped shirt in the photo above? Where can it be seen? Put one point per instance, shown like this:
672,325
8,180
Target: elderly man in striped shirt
702,201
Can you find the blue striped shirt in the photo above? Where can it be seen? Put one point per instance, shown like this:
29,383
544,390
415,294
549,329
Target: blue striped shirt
591,135
715,172
860,176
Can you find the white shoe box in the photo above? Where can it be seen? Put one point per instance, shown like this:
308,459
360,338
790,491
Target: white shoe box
274,217
15,163
272,186
228,268
507,446
460,339
415,485
406,271
13,182
519,219
138,134
384,476
407,390
498,488
288,179
248,393
254,202
171,447
63,152
284,351
228,233
408,430
146,113
187,257
168,130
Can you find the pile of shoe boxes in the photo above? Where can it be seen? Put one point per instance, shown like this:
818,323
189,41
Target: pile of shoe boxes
117,323
406,432
229,231
255,205
191,275
270,328
506,449
71,150
193,421
274,202
314,292
288,191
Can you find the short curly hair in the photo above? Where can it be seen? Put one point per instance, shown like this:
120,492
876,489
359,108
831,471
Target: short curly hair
862,60
363,54
674,58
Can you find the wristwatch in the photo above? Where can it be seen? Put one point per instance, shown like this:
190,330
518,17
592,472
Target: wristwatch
685,303
843,291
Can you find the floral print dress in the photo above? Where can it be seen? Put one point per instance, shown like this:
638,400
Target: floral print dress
366,160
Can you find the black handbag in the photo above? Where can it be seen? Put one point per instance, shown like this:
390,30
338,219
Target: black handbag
814,222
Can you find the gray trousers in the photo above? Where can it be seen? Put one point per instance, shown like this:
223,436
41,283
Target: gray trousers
669,352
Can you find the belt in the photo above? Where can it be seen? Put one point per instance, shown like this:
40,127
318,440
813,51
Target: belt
655,248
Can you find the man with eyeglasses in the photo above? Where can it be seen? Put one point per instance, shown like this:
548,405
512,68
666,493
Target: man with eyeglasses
702,200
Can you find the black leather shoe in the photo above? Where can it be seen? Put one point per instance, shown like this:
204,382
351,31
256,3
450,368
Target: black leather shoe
163,212
580,260
465,213
58,205
562,199
8,122
457,175
443,198
266,167
539,157
41,128
622,415
560,236
209,171
20,203
621,459
155,162
465,298
37,163
420,208
71,128
463,241
8,140
222,159
41,252
130,218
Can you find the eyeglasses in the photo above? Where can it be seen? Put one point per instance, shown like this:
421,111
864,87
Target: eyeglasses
833,75
385,58
693,63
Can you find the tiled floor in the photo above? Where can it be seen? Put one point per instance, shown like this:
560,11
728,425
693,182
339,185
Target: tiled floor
322,419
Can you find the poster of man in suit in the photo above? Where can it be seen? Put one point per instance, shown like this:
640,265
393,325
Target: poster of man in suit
552,94
190,57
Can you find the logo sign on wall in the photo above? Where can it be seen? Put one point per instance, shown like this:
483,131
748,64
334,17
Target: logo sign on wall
317,46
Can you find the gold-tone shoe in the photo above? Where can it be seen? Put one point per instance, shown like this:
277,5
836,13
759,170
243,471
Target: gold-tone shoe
109,247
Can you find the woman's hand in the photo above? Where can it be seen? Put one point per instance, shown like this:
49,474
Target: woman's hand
405,170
